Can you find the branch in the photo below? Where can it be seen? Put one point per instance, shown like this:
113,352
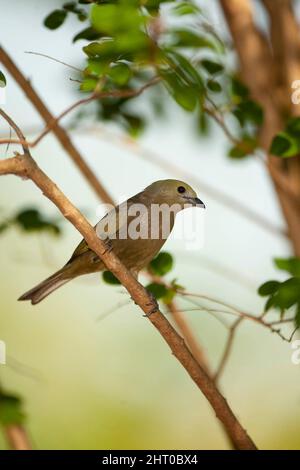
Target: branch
285,38
142,298
188,334
15,434
13,166
227,350
255,61
17,437
233,310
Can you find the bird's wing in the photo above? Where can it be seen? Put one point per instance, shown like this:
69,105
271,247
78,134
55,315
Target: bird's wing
109,226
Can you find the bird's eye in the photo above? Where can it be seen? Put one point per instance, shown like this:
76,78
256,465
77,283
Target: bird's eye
181,189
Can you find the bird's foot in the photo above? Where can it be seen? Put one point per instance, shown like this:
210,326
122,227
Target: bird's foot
153,304
108,245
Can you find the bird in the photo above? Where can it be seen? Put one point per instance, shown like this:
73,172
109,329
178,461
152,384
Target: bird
134,230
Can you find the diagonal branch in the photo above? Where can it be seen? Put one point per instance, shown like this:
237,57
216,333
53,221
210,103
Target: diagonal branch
188,334
227,350
17,437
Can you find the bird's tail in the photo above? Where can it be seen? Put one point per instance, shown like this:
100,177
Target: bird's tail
44,288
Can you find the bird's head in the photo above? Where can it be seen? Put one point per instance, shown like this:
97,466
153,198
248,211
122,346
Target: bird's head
172,192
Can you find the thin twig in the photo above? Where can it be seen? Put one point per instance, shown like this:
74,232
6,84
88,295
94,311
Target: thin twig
17,437
188,334
55,60
227,350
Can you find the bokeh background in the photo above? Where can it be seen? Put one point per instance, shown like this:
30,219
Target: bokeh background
108,383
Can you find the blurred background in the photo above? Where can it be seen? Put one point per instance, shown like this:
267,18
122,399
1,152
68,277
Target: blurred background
93,373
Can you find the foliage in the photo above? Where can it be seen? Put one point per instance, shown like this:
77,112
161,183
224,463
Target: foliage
10,409
129,43
161,265
2,80
57,17
286,144
31,220
284,295
110,278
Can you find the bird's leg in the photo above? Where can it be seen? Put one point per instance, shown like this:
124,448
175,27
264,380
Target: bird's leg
108,245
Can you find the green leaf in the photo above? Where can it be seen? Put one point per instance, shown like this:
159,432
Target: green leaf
284,145
236,152
248,110
112,19
88,33
243,148
187,38
104,48
293,127
89,84
297,317
69,6
153,5
126,47
4,226
2,80
186,8
169,296
55,19
10,410
269,303
134,124
158,290
120,73
288,294
162,263
212,67
268,288
187,97
203,124
110,278
31,220
184,69
291,265
96,66
214,86
280,145
238,88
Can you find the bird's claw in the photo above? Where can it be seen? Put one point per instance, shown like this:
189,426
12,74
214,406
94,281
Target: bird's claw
108,245
153,303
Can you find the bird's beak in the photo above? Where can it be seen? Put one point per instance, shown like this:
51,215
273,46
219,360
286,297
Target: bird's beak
199,203
195,201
